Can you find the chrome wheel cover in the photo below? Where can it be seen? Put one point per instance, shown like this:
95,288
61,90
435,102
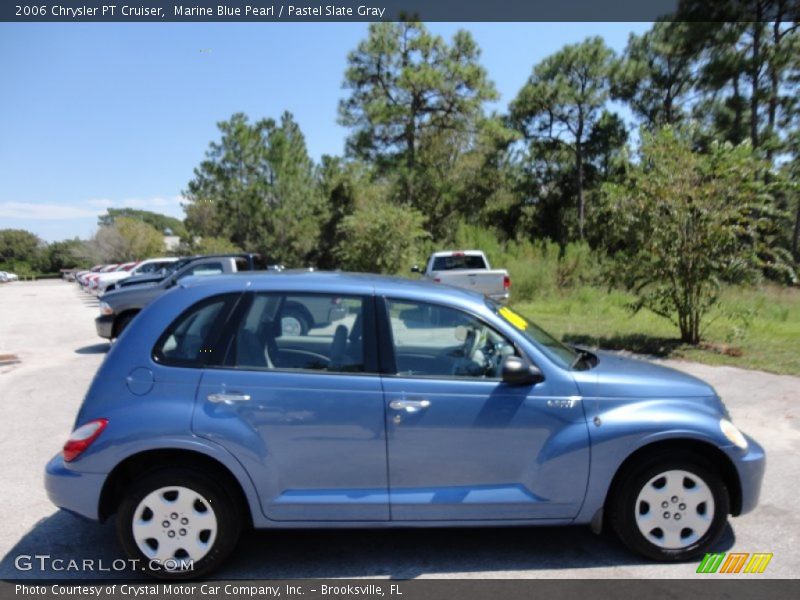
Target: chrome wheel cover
674,509
175,526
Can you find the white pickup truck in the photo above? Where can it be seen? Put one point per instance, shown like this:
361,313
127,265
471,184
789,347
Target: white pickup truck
467,269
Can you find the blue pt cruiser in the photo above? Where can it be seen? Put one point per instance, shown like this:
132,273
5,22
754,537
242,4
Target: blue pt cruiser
414,405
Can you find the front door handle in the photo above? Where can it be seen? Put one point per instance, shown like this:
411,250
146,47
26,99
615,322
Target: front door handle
410,406
228,397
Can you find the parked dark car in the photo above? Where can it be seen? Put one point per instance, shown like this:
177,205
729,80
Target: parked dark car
119,307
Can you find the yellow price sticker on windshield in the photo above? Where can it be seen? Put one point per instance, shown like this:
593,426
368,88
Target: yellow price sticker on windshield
516,320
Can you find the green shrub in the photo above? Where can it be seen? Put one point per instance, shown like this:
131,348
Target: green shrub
537,269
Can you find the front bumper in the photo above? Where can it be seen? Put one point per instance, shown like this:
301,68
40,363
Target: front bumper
76,492
750,466
105,326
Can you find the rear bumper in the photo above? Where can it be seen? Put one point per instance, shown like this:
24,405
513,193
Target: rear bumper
503,298
105,326
750,466
78,493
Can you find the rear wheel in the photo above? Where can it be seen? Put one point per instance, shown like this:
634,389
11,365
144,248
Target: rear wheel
670,508
178,523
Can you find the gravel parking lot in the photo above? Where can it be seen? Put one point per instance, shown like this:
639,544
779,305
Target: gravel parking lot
49,326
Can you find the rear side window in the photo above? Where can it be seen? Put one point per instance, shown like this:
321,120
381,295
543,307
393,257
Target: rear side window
313,332
455,262
188,341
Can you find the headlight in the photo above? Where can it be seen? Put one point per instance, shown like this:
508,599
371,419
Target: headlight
733,434
105,309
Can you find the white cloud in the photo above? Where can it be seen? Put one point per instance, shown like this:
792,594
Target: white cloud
43,211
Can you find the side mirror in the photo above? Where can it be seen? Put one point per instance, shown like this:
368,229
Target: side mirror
415,269
518,371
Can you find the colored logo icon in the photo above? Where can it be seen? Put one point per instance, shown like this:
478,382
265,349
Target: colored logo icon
734,562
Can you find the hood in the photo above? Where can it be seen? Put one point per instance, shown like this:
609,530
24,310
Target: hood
137,279
617,376
126,292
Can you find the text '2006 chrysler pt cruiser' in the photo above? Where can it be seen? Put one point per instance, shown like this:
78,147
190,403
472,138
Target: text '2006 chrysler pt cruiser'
415,405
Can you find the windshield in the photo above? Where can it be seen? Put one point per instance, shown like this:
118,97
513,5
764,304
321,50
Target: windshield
559,352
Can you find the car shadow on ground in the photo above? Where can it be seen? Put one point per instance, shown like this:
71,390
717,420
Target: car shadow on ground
340,553
100,348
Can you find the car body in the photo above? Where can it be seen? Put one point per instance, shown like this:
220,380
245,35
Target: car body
118,307
86,279
93,282
145,267
7,276
82,274
468,269
425,405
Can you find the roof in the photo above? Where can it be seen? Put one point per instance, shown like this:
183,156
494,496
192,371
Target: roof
302,280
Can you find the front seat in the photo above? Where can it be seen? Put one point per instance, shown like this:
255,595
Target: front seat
250,350
338,347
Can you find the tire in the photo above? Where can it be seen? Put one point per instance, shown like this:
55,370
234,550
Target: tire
123,322
669,508
194,523
294,322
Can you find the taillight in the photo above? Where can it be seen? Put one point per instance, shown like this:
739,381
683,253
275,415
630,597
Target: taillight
506,282
82,438
437,280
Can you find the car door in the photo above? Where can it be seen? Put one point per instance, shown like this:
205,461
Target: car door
462,444
303,413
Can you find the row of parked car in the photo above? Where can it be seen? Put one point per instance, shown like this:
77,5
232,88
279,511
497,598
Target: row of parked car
7,277
125,289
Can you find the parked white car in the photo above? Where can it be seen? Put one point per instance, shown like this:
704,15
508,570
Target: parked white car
467,269
151,265
6,277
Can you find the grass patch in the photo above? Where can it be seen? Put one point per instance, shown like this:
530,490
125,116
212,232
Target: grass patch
752,328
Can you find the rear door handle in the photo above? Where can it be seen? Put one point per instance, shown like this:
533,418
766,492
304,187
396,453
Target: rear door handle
410,406
228,397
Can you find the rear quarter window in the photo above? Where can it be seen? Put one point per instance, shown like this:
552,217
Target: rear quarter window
189,340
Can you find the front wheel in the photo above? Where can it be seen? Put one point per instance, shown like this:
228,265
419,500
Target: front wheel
178,524
670,509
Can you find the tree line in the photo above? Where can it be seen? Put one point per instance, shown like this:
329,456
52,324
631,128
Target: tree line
698,188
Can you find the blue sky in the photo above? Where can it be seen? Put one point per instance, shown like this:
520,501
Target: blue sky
95,115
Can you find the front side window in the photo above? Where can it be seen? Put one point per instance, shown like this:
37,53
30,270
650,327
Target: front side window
188,340
437,341
557,351
315,332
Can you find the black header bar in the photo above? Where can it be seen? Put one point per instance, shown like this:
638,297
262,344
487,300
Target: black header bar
394,10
